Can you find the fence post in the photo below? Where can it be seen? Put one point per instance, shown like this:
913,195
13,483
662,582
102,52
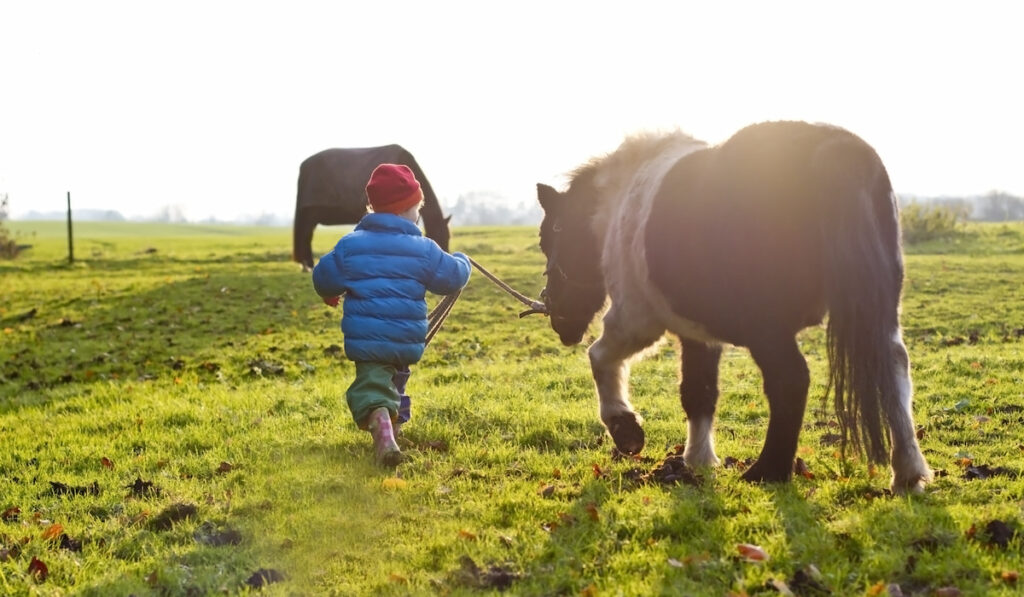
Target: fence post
71,243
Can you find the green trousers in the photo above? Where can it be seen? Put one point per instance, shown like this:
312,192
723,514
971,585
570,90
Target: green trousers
371,390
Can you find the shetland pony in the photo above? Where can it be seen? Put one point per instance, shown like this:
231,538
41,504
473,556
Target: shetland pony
744,243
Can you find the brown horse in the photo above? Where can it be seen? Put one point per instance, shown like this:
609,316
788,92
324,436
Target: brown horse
332,192
746,243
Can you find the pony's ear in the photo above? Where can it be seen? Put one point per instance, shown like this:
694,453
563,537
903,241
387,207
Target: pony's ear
548,196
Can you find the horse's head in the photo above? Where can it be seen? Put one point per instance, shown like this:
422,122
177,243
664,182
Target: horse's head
436,227
575,289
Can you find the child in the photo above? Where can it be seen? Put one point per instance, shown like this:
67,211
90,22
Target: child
384,268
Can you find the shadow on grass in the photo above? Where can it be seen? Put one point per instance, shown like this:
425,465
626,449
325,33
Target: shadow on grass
215,326
910,542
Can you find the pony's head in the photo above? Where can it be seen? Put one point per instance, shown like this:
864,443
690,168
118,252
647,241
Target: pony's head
575,289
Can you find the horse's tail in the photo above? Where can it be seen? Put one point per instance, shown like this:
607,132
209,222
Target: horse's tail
863,280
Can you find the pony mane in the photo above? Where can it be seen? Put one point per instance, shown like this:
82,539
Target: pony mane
600,185
604,171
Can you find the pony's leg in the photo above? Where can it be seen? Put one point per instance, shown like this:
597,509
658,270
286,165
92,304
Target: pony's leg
611,375
786,380
910,472
698,391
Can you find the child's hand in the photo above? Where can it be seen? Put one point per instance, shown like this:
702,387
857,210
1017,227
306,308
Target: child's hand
331,300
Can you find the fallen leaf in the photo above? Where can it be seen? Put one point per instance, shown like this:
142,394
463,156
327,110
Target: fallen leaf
397,578
141,488
675,563
997,533
1010,577
983,471
58,488
37,569
808,581
264,576
208,534
52,532
752,553
172,514
589,591
947,592
69,544
547,490
467,535
780,586
225,467
10,514
592,512
106,462
800,468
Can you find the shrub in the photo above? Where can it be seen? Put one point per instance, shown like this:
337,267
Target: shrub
921,222
8,248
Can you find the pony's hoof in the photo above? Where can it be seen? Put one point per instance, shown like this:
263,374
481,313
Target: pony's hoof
627,433
913,486
910,475
759,473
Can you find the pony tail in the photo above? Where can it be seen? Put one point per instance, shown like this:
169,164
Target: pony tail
863,280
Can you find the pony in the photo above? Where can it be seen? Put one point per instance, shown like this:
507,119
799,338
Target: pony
332,191
743,243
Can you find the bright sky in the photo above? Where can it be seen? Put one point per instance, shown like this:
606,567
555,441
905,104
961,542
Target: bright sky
211,105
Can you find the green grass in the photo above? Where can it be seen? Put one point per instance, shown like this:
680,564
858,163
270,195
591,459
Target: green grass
200,361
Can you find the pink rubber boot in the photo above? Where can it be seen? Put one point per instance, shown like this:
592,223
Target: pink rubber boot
385,449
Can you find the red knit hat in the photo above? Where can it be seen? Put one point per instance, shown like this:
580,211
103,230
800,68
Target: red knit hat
393,189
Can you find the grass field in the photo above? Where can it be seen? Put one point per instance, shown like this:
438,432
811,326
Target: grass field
172,422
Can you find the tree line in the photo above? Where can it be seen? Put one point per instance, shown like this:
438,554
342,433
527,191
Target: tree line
994,206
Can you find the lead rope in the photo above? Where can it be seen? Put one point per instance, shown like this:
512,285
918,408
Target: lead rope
534,305
443,308
439,314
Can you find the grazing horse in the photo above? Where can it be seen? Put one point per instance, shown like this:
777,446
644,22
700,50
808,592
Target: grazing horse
332,191
745,243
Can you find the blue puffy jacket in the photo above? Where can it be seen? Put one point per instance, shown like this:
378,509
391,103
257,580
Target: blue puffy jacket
384,268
